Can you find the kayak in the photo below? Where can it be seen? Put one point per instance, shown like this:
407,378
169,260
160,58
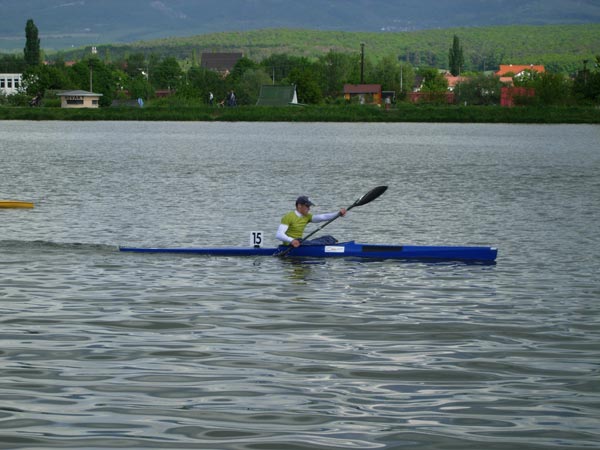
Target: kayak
15,204
343,249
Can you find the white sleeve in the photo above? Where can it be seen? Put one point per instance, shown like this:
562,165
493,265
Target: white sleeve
324,217
281,233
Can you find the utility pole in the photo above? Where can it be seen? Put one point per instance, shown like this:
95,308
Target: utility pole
94,51
91,76
362,63
401,80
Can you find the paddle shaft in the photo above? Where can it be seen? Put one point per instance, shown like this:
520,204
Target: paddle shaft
326,223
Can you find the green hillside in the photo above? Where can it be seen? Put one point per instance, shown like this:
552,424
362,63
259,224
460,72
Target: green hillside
67,24
561,48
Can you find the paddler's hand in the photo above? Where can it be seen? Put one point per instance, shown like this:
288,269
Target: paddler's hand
343,212
295,243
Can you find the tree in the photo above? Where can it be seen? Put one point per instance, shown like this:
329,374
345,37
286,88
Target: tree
139,87
167,74
135,65
455,57
335,69
12,64
393,75
435,85
242,65
203,81
587,84
31,52
479,90
433,81
280,65
249,84
105,80
38,79
527,78
552,89
307,85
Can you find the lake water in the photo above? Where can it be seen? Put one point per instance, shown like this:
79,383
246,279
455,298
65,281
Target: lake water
106,350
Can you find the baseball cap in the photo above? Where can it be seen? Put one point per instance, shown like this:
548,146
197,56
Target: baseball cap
304,200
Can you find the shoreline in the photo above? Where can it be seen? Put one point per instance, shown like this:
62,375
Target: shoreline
346,113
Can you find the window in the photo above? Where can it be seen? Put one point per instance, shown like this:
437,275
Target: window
74,101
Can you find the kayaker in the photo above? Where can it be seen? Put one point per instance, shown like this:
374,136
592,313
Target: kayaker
292,225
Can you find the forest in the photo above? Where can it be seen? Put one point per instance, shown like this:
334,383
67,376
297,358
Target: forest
561,48
319,64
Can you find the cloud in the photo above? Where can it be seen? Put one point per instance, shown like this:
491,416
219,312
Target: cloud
66,5
160,6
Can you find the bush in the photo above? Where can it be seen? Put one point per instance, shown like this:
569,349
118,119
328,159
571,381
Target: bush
51,102
19,99
174,102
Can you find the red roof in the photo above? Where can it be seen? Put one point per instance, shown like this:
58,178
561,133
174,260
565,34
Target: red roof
453,81
219,61
516,69
362,89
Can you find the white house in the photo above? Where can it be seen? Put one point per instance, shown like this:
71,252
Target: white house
79,99
10,83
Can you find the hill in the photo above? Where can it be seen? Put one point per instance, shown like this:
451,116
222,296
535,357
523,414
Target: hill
561,48
65,24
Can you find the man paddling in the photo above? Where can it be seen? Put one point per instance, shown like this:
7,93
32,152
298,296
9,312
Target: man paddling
293,223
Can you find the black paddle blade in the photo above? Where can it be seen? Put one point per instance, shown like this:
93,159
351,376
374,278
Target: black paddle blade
369,196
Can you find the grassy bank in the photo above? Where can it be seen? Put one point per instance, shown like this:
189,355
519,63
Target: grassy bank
350,113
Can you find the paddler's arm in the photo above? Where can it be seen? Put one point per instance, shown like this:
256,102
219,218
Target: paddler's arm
328,216
282,236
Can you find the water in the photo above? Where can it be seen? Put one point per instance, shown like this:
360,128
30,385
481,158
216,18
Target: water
105,350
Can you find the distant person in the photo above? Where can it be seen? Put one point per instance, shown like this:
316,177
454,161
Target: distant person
231,99
36,101
293,223
211,98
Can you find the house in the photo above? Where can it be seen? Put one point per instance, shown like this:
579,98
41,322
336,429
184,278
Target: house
220,62
431,97
388,96
10,83
418,83
417,96
453,81
56,63
507,72
163,93
508,94
366,93
277,95
79,99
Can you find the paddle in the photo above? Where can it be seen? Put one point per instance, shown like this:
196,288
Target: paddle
367,198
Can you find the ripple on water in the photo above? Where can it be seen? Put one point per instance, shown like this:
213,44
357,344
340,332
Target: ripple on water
104,350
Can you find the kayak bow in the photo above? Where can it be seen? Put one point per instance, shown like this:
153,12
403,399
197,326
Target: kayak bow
343,249
15,204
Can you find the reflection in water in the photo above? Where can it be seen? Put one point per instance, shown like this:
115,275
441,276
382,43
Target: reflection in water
299,270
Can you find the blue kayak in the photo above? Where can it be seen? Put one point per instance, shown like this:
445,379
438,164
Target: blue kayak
343,249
